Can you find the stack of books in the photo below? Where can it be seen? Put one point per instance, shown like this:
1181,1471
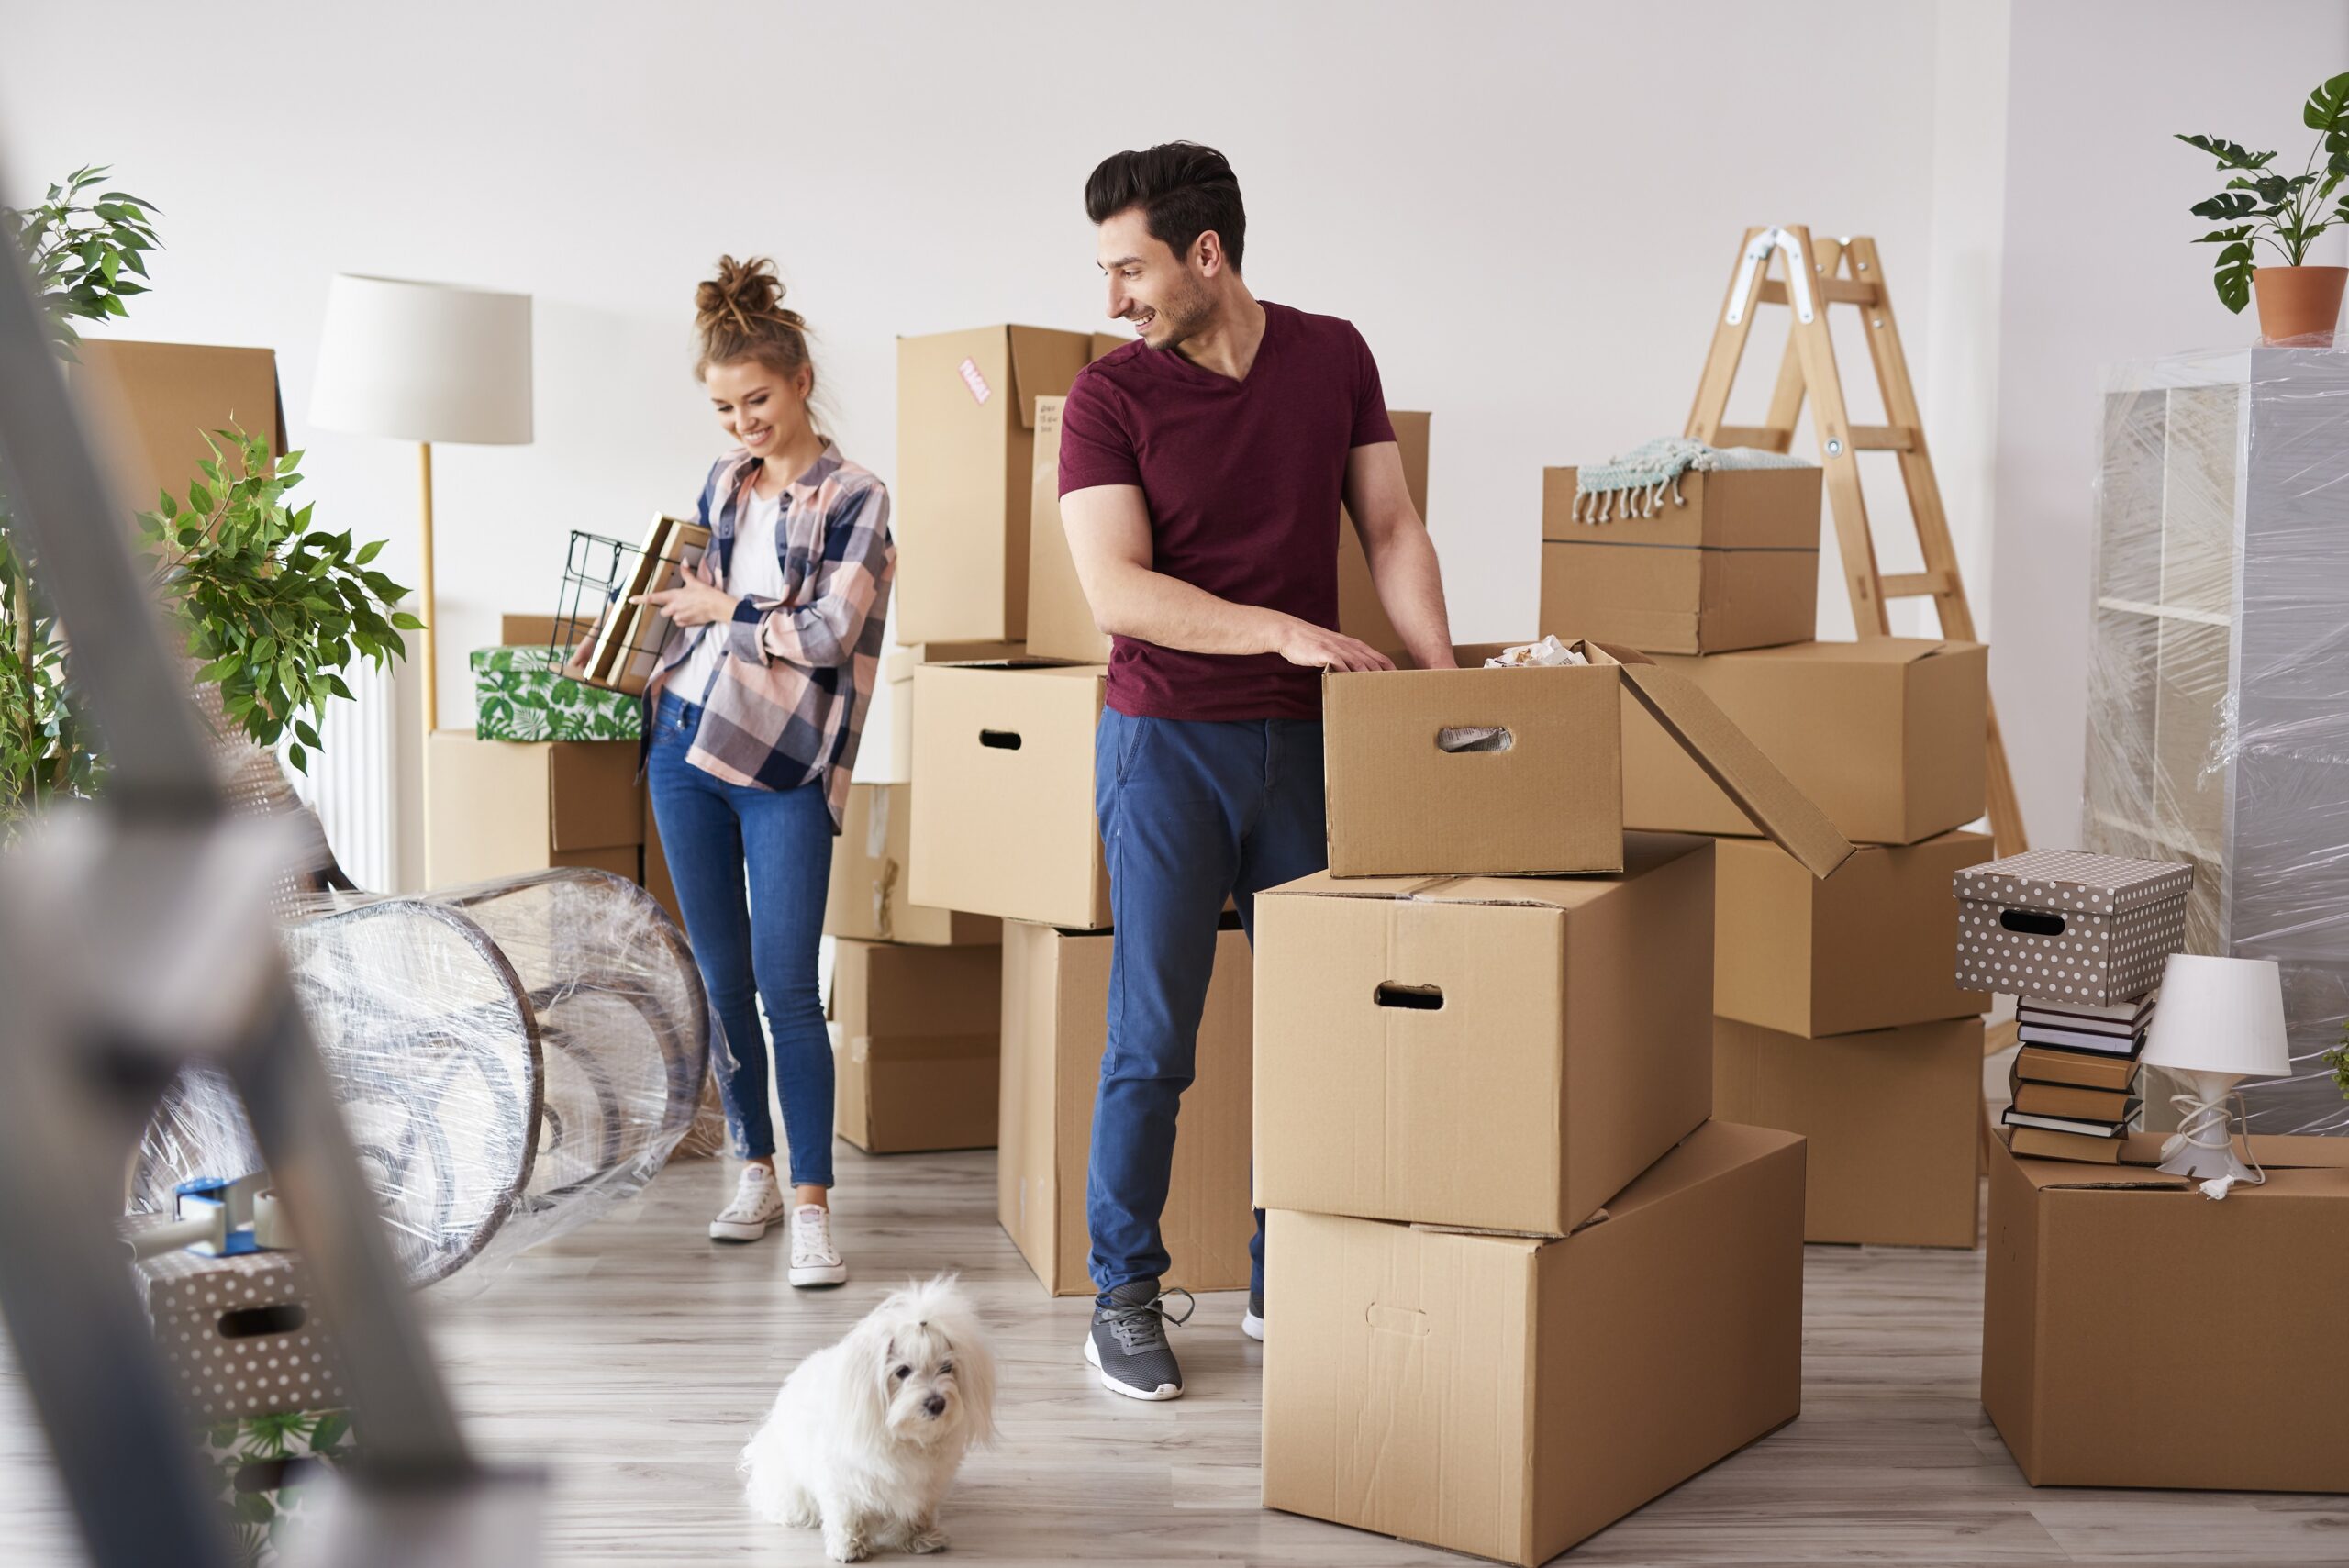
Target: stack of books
2075,1079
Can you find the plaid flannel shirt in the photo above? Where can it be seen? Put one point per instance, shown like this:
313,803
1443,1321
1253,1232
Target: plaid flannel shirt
789,705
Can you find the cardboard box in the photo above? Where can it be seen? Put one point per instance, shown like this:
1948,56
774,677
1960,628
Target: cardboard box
1867,948
524,693
496,808
1893,1118
516,631
1547,800
966,421
1735,565
1059,620
897,673
1055,1021
1507,1397
1505,1054
1006,827
151,406
2136,1334
914,1038
1887,735
241,1336
2070,926
871,862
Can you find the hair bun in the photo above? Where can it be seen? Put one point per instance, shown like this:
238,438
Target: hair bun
743,292
739,314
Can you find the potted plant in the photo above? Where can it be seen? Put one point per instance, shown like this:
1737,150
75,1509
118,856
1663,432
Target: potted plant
271,608
2286,212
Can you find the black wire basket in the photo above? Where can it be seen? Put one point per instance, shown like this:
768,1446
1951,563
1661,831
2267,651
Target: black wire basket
601,636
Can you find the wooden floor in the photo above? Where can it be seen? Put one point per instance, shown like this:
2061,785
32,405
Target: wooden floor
634,1357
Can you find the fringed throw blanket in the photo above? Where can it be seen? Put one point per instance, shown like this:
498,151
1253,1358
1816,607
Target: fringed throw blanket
1635,485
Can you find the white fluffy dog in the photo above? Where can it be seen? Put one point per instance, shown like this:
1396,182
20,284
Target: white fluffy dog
866,1435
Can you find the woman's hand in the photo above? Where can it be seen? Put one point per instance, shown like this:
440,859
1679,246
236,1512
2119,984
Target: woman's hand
696,604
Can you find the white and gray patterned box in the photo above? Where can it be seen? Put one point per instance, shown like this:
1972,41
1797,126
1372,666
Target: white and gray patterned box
241,1335
2069,925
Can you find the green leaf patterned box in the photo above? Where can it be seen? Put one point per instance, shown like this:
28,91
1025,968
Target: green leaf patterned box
521,694
261,1465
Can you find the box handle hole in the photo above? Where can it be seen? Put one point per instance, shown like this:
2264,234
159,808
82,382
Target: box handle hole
252,1322
1456,738
1419,998
1001,739
2032,923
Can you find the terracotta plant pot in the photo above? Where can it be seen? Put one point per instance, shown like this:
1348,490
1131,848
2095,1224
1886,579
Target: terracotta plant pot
2298,302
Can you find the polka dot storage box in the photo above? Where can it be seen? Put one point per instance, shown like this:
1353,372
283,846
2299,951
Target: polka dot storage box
2067,926
238,1334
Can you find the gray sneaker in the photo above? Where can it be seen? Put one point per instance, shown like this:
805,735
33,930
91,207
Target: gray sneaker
1127,1346
1251,1322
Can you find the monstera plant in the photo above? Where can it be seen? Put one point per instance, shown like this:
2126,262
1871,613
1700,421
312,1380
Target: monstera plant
2262,206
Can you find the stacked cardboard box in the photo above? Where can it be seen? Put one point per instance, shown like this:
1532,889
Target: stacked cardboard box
1503,1230
2079,941
914,994
1837,1016
500,807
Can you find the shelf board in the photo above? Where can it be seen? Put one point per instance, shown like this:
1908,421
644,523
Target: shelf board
2165,612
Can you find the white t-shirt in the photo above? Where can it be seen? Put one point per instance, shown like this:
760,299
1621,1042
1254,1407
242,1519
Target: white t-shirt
753,571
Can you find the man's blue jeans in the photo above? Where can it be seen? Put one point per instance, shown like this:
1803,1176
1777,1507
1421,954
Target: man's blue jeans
1191,812
711,830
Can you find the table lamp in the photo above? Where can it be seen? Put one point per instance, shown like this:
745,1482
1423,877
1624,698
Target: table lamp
2221,1019
425,362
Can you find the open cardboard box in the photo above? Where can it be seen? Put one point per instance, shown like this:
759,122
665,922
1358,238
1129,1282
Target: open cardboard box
2135,1333
1884,734
1549,799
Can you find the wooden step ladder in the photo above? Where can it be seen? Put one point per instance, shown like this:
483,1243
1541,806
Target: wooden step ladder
1846,272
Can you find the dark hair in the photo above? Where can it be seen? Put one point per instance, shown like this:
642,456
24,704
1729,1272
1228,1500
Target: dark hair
1183,189
739,315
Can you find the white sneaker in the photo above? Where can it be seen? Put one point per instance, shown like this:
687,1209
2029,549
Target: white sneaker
813,1259
758,1203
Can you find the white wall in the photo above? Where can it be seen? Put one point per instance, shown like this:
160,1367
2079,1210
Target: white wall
1530,210
2099,270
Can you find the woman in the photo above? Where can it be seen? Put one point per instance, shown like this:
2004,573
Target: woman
752,724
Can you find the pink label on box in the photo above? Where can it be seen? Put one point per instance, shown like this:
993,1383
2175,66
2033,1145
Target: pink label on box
980,390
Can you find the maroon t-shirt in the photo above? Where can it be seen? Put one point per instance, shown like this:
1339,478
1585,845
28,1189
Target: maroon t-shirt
1243,481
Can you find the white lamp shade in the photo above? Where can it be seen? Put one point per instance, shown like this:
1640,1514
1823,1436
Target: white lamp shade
424,362
2221,1015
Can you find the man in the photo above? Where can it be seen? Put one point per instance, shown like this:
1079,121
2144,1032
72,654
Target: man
1201,474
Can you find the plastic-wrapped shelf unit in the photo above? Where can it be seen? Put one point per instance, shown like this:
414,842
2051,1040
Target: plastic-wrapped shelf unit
2218,725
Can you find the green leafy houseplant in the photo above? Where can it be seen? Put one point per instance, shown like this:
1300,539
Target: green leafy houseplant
84,252
272,609
2286,212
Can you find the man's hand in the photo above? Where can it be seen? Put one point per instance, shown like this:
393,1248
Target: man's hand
1317,647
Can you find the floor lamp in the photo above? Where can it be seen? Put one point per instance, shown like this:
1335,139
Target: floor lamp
425,362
